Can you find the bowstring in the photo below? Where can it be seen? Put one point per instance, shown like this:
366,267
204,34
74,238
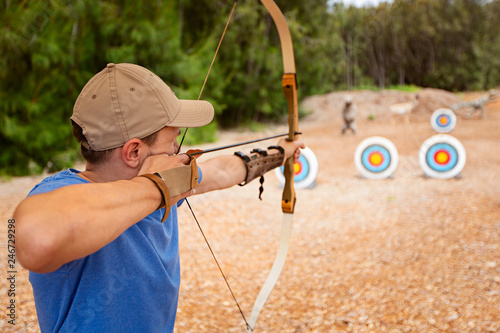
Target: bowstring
218,265
187,202
210,68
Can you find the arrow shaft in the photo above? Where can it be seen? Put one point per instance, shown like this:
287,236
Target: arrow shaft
240,144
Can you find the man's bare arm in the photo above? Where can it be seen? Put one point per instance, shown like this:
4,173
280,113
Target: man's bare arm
226,171
74,221
77,220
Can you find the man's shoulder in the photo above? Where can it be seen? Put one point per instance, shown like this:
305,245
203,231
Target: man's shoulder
58,180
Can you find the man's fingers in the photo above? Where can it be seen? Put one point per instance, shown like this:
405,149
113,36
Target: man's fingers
183,158
296,155
162,162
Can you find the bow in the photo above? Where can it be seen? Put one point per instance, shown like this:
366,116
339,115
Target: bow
289,84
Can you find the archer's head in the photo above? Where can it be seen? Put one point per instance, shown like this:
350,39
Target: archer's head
127,101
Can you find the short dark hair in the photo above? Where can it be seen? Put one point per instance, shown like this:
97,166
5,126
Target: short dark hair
96,157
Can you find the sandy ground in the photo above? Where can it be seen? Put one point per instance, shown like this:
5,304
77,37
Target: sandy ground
407,254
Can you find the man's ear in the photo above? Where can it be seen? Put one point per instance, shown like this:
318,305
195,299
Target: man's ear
130,153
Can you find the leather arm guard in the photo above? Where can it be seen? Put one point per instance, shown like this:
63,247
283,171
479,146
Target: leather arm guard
257,165
175,181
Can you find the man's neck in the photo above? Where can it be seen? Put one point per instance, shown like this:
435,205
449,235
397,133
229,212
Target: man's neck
106,172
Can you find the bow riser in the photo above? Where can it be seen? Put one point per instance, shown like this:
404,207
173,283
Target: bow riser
289,83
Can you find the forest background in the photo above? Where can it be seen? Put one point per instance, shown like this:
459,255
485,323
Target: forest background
51,48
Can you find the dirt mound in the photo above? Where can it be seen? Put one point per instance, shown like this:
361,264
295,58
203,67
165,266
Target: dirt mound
432,99
376,104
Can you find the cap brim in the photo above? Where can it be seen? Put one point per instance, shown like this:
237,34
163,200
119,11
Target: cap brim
193,114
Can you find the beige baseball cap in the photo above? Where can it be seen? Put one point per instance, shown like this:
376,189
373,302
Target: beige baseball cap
126,101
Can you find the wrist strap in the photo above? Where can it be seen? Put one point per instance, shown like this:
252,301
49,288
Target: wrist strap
165,194
259,151
277,147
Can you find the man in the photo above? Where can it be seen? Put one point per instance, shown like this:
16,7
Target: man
101,260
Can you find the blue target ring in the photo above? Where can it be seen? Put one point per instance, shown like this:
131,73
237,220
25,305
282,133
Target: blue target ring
301,169
376,158
442,157
376,153
443,120
305,170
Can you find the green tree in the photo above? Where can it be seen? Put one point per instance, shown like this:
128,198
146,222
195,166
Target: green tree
35,40
52,48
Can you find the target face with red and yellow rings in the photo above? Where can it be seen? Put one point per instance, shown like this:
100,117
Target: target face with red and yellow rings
443,120
442,156
376,158
306,170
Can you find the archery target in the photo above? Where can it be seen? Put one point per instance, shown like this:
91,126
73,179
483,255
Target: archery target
442,156
443,120
306,170
376,158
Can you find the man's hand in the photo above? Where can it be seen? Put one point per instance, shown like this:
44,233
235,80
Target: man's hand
161,162
291,149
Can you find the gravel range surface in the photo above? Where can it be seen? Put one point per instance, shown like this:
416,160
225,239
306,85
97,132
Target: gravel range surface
406,254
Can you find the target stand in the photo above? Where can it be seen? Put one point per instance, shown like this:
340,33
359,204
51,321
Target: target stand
376,158
443,120
306,170
442,156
